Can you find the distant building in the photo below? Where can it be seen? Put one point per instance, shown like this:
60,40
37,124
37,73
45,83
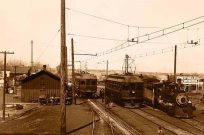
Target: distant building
192,83
19,71
40,83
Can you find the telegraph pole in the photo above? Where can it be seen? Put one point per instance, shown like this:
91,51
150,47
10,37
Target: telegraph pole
15,90
73,71
175,55
126,63
106,78
4,90
66,71
31,62
106,68
63,70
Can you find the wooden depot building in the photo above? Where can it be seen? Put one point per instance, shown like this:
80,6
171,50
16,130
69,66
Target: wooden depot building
40,83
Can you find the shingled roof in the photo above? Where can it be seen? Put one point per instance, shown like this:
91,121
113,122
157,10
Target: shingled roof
33,76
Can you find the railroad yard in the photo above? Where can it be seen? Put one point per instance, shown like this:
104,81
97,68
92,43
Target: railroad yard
117,67
91,116
147,120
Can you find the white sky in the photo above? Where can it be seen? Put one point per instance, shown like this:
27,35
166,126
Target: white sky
39,20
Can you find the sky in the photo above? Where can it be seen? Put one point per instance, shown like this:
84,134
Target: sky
39,20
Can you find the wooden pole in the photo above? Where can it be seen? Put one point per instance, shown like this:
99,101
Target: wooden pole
15,90
106,68
4,90
105,80
63,70
175,55
73,71
31,62
66,69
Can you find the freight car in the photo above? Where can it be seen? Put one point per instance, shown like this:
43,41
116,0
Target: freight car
86,84
168,97
126,90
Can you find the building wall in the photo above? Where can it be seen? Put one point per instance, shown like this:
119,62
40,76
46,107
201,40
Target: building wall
42,85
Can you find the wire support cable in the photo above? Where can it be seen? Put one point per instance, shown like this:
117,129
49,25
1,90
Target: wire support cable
95,37
49,43
154,35
164,50
109,20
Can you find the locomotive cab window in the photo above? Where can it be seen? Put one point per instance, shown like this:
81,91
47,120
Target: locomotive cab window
93,82
133,86
88,82
125,86
82,82
139,86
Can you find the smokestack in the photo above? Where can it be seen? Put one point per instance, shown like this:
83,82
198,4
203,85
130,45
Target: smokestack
179,82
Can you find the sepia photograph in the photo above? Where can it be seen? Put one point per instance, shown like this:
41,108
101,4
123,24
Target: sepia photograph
101,67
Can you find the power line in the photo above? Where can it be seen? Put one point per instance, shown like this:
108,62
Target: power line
87,36
111,50
49,43
159,51
156,34
108,20
164,50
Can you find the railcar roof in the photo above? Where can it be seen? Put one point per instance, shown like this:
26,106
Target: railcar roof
85,76
124,78
150,78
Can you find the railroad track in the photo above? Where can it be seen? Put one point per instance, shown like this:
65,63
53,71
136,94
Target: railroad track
120,122
198,120
162,122
199,125
130,110
194,123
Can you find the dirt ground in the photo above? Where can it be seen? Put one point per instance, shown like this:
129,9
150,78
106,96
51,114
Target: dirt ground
46,120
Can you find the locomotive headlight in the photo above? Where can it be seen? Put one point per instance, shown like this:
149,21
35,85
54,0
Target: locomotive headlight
133,92
189,101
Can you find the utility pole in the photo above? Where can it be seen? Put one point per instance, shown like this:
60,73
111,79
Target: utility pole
80,66
63,70
31,62
73,72
175,55
106,68
106,78
126,63
15,90
4,90
66,71
86,66
5,75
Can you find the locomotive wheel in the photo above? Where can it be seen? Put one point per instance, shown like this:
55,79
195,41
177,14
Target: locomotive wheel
132,102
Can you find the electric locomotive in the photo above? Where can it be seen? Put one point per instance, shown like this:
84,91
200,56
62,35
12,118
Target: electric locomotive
86,84
124,89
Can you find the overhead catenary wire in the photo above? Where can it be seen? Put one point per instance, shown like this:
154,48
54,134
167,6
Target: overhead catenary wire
164,50
154,35
158,51
109,20
95,37
146,37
